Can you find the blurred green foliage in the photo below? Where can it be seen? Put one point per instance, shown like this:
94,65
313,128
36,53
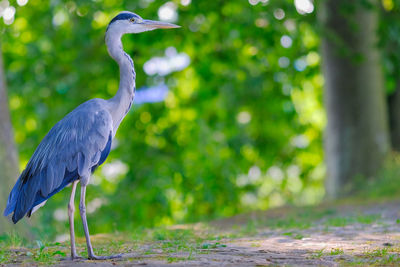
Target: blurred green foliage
389,33
240,129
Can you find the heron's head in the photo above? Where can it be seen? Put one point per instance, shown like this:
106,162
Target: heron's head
128,22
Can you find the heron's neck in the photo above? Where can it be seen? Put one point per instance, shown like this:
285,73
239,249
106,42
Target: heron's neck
123,99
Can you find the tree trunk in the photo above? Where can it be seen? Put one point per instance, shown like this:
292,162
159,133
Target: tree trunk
356,137
8,160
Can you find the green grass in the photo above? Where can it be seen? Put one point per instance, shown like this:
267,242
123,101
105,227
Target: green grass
317,254
212,245
47,253
294,235
162,234
344,221
377,253
168,240
172,241
302,219
175,259
11,240
4,256
390,259
7,243
384,186
336,251
290,223
378,257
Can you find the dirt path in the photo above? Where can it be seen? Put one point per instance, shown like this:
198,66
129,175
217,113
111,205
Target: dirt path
324,236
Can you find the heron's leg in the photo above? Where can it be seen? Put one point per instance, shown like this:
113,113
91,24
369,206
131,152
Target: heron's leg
71,209
82,208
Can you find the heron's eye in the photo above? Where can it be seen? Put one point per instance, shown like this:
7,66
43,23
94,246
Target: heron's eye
132,20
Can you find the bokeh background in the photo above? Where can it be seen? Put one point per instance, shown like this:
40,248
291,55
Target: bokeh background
229,114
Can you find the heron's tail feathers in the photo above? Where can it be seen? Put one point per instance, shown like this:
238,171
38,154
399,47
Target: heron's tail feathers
12,199
27,195
21,197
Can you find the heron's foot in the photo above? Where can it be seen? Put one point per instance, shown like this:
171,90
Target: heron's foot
94,257
75,258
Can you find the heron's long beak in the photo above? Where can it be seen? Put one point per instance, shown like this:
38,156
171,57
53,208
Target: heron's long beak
159,24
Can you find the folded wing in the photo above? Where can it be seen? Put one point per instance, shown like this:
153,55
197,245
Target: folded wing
72,149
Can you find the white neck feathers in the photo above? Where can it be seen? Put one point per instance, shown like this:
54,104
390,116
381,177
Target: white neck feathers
122,101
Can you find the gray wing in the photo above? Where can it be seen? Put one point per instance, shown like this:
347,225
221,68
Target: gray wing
74,147
76,142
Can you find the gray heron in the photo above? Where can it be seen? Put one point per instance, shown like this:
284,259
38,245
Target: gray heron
81,141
